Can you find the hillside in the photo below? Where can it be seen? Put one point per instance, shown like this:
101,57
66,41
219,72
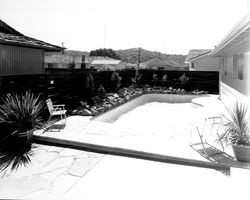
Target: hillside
131,56
75,53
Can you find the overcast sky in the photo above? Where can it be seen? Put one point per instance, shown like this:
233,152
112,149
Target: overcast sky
169,26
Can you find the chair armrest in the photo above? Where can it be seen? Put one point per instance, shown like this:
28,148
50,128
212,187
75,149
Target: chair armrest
56,109
61,106
58,105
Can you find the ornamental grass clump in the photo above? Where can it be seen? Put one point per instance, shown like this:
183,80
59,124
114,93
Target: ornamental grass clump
20,115
236,127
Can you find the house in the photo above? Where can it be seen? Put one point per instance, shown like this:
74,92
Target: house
20,54
64,60
234,54
201,60
132,66
104,63
158,64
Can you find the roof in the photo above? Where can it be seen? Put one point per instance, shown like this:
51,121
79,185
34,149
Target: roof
67,58
195,53
62,58
25,41
105,62
164,62
237,40
10,36
90,59
5,28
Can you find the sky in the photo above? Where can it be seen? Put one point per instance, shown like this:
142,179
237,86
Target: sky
168,26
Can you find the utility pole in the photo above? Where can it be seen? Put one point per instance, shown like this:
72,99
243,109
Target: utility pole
139,57
62,47
104,36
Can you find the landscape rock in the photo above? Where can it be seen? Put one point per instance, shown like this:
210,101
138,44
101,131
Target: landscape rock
85,112
94,111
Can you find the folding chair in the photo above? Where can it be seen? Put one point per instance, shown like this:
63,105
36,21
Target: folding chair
206,148
56,110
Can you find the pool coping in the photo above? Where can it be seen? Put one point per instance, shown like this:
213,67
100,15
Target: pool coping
51,141
117,151
136,96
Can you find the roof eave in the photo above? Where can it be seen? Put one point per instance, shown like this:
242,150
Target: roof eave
47,49
238,29
198,56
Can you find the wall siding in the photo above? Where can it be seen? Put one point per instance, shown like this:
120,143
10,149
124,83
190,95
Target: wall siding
20,60
207,63
241,86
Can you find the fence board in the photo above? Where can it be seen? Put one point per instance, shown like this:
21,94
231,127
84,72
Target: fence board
70,86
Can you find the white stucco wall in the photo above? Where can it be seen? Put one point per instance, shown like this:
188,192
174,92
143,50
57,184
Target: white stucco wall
242,86
207,63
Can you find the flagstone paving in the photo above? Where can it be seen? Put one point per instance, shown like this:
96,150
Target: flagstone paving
52,172
61,173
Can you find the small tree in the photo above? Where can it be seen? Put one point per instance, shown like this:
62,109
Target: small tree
115,81
183,80
105,52
136,80
155,79
89,87
164,79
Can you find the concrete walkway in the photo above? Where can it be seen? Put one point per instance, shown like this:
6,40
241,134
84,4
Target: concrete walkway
60,173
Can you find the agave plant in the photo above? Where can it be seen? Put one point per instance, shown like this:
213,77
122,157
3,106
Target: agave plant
20,115
236,125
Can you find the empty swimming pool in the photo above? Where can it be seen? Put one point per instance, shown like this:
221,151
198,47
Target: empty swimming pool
153,122
174,104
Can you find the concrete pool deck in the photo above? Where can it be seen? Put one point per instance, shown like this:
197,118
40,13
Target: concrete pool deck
61,173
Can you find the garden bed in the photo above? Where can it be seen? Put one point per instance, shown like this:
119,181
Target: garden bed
104,102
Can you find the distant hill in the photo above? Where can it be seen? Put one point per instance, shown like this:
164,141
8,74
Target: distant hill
75,53
131,56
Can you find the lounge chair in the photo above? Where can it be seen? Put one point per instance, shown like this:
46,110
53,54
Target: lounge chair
56,110
206,145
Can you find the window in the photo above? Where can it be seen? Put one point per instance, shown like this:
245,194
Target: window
50,65
241,67
238,66
224,65
192,65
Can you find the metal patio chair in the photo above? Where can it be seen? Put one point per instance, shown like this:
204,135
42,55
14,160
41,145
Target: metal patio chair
206,146
56,110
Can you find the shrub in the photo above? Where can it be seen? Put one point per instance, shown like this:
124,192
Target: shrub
136,80
89,88
183,80
20,115
101,92
115,81
155,79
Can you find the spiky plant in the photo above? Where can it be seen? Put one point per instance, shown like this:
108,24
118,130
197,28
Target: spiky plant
20,115
236,125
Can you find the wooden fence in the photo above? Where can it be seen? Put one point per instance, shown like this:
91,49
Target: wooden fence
71,86
201,80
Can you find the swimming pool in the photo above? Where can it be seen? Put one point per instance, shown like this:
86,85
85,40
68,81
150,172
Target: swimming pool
159,123
177,102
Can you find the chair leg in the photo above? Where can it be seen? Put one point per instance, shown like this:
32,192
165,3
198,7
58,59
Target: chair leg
65,118
62,119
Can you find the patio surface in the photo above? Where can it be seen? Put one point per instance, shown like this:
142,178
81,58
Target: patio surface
61,173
